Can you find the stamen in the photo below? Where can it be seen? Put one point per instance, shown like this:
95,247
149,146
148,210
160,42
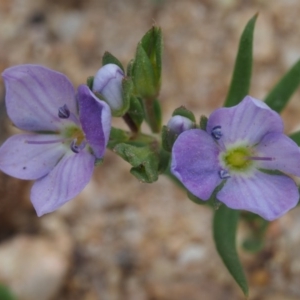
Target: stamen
77,148
224,174
216,132
45,142
64,112
259,158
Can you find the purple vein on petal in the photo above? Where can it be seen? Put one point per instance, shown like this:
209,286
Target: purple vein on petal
63,183
40,91
29,161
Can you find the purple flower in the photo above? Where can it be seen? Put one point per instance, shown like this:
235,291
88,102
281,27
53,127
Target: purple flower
240,146
108,82
65,134
178,124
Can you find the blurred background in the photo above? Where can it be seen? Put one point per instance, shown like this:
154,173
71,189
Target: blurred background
121,239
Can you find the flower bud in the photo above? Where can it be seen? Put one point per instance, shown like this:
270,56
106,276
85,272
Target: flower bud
177,124
108,83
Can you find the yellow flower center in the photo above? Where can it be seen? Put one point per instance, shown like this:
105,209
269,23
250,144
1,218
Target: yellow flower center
74,133
237,159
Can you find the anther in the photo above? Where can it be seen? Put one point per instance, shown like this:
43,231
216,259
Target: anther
216,132
224,174
64,112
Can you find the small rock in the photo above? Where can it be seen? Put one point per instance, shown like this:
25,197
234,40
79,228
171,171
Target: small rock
192,254
34,267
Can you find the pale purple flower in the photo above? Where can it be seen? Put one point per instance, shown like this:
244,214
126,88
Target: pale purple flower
240,145
66,132
108,83
178,124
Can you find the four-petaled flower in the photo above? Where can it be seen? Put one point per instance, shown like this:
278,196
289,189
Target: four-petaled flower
66,133
242,146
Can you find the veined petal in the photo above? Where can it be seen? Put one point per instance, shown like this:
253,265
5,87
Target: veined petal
24,160
248,121
195,162
95,118
34,94
284,152
63,183
108,82
269,196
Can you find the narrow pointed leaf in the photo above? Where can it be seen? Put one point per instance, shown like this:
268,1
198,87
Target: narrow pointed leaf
240,82
284,89
152,44
143,74
224,230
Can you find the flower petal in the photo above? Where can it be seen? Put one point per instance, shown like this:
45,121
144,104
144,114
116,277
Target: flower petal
246,122
269,196
95,118
284,151
108,82
23,160
63,183
34,94
195,162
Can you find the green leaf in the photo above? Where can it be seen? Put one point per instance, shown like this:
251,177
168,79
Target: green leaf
143,74
284,89
5,293
224,229
108,58
184,112
168,139
152,44
90,82
144,161
127,88
203,122
153,115
130,67
135,114
136,111
164,161
240,82
117,136
295,136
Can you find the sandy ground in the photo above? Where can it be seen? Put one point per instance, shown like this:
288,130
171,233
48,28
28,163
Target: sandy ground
121,239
